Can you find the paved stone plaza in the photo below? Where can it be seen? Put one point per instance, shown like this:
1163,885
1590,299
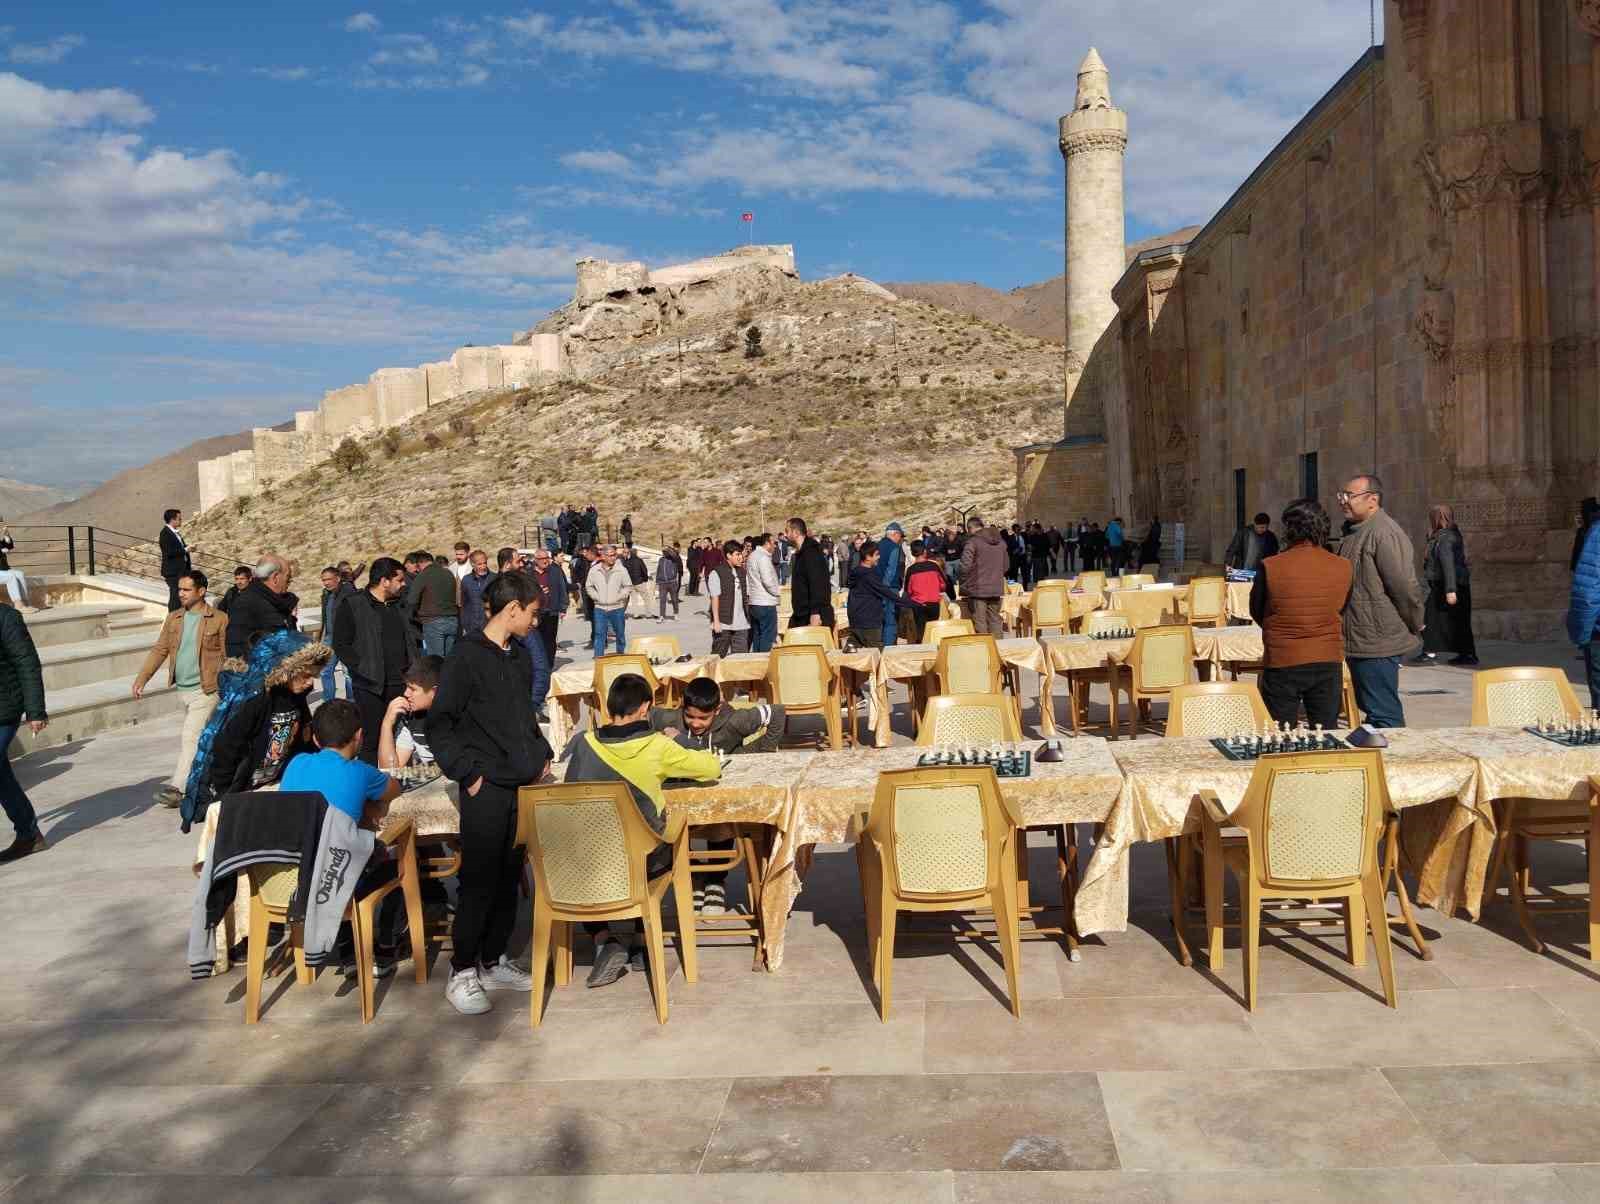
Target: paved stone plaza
1127,1078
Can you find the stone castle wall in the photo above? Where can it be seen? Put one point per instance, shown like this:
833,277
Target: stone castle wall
612,302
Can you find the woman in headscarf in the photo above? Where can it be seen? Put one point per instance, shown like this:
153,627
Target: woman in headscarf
1447,623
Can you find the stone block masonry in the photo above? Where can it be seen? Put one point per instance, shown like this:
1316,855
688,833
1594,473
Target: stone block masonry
401,393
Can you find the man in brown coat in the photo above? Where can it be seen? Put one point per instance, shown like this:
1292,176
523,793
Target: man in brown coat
1383,617
191,645
983,577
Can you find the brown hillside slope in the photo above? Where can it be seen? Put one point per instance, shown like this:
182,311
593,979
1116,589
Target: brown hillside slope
132,501
19,497
821,425
1036,309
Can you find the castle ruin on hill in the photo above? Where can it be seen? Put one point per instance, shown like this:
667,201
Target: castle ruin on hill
614,304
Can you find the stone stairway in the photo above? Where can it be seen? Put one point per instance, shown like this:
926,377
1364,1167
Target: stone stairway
90,650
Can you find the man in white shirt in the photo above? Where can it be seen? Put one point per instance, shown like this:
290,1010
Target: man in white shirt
462,565
761,578
727,591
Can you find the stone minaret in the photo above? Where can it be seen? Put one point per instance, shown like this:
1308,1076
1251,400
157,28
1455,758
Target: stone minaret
1093,138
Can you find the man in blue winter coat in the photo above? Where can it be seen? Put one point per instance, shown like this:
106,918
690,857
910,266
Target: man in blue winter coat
1583,609
892,572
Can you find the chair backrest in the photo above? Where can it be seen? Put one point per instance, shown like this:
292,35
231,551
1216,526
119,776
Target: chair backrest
1162,658
816,637
1151,571
1314,817
942,629
969,719
1136,580
799,675
942,831
1013,587
1051,604
586,843
1522,695
608,668
1208,597
656,646
1092,581
968,664
275,884
1104,620
1215,708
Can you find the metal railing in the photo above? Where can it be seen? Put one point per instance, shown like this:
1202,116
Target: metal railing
88,549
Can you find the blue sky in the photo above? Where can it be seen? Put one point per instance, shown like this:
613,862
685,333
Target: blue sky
209,213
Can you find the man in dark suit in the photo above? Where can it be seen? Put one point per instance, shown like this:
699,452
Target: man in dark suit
174,556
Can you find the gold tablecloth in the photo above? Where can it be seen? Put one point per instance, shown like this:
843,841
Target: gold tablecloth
1149,607
1511,764
857,668
1239,600
1214,645
573,686
1162,778
432,809
908,662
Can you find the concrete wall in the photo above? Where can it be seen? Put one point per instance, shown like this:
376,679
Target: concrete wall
347,409
479,368
400,393
443,384
282,454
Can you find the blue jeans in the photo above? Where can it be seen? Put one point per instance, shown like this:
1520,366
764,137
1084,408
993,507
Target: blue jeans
438,636
12,797
606,621
330,681
1591,668
1377,683
763,628
891,624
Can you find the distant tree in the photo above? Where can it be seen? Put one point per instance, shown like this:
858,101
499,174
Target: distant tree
349,456
752,343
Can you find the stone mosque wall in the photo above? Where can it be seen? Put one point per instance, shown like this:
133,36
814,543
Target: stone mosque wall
1405,285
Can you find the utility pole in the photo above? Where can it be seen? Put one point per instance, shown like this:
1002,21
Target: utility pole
680,364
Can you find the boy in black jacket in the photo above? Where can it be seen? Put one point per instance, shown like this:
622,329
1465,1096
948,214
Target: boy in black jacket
486,738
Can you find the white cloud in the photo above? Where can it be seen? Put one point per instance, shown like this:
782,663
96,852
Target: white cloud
288,75
44,53
606,162
409,48
27,108
363,23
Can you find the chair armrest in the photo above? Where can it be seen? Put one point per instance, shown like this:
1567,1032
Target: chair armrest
1212,812
1594,790
397,831
677,826
1010,809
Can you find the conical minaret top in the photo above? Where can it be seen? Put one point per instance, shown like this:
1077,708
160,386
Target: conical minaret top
1094,83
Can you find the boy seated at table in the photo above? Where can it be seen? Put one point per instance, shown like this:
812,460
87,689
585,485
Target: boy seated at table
705,721
403,744
363,793
627,750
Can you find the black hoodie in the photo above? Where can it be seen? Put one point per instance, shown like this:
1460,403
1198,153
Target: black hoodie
482,723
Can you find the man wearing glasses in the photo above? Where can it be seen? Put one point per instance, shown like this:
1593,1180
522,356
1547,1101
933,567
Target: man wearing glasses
1383,617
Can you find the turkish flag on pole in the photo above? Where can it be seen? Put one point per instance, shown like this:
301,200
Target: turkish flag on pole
747,217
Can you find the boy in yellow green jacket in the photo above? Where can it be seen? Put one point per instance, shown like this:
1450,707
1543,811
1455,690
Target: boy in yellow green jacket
626,749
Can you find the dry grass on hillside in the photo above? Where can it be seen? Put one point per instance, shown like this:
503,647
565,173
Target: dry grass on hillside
821,425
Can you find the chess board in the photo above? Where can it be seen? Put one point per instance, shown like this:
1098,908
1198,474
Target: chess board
1329,744
1567,739
1005,764
1119,633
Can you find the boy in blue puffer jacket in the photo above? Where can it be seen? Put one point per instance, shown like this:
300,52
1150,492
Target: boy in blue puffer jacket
1583,610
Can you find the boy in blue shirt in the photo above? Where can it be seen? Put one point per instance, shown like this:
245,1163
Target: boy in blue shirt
361,792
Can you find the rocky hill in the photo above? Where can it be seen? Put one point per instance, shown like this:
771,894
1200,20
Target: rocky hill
1036,309
833,400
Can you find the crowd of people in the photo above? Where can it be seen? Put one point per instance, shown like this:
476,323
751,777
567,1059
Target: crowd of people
444,664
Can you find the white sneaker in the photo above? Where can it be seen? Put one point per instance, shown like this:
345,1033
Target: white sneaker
465,993
505,975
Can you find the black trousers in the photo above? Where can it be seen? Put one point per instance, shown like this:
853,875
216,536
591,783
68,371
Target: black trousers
491,866
1317,687
373,707
172,593
548,625
1448,628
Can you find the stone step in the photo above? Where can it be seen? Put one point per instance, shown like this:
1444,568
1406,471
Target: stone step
141,625
74,624
79,712
87,661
